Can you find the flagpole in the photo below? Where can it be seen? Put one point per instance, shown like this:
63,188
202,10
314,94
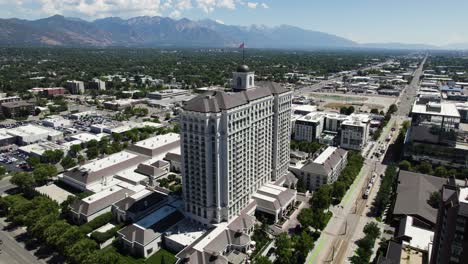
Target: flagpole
243,52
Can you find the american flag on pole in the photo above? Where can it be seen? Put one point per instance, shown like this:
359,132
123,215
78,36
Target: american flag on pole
242,45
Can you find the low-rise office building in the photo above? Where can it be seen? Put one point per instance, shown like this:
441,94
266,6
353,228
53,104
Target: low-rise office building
157,145
450,238
38,149
309,127
56,121
75,87
355,132
97,84
52,91
322,169
17,109
100,173
274,201
5,138
145,237
86,209
174,160
437,134
167,94
133,207
29,134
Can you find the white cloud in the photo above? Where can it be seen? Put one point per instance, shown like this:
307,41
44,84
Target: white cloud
175,14
226,4
252,5
183,4
219,21
101,8
89,9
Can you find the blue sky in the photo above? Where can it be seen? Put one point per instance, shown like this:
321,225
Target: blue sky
408,21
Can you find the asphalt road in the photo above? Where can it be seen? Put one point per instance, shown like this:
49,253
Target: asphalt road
13,252
320,85
336,243
410,92
5,185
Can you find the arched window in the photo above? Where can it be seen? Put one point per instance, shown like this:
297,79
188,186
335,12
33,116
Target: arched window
239,82
251,81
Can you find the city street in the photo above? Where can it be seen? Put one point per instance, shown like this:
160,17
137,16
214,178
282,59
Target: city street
320,85
12,251
337,242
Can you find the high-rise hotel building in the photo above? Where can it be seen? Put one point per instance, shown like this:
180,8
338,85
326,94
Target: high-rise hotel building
233,143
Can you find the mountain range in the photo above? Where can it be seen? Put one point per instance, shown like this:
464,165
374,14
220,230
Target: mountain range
166,32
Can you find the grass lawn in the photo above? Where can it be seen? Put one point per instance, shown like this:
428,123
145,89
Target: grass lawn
169,258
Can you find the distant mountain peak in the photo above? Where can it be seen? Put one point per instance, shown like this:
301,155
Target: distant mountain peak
156,31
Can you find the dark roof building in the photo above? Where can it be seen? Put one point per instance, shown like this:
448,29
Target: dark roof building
450,244
214,102
413,191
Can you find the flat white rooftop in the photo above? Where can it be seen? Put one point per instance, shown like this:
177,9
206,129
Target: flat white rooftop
158,141
40,148
131,175
86,137
263,197
325,155
130,125
420,238
463,197
108,161
102,194
312,117
4,134
270,190
219,228
304,108
439,109
33,130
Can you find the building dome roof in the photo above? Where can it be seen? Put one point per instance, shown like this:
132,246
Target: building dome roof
243,68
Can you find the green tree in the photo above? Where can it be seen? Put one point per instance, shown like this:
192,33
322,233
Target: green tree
262,260
441,171
75,150
322,198
405,165
283,249
69,237
52,156
339,189
2,170
104,257
92,144
305,217
81,159
92,153
392,109
38,228
425,167
23,180
374,111
372,229
81,250
33,161
303,245
44,172
434,199
68,162
301,185
54,232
